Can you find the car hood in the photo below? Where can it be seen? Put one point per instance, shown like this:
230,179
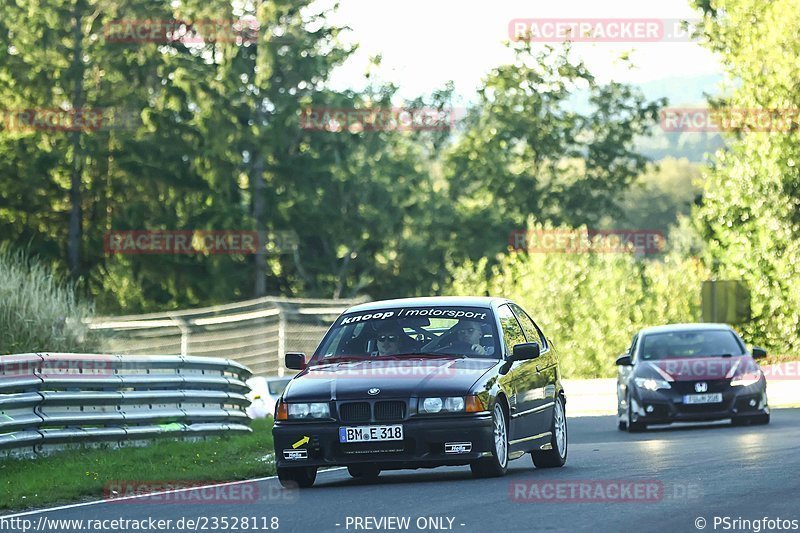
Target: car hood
699,368
399,378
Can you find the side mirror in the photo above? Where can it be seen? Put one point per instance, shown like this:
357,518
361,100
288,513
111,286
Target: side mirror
758,353
295,360
624,360
524,351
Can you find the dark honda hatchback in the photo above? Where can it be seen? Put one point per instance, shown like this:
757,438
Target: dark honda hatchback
423,382
690,372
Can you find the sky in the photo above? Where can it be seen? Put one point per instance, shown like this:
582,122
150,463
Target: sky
425,43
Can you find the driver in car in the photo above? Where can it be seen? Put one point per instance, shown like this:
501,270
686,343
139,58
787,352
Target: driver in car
470,333
465,338
388,340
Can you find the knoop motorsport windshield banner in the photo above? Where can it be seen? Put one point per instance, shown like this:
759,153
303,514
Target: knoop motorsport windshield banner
407,365
459,313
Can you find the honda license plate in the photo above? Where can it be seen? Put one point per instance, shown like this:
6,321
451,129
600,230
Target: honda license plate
713,397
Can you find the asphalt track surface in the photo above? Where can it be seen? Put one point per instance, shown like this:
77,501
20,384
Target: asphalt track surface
683,474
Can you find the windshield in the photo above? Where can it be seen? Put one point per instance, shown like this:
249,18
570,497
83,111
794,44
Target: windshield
703,343
411,332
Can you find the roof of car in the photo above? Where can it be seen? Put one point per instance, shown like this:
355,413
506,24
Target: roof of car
667,328
450,301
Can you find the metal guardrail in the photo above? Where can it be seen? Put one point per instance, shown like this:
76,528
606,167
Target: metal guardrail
51,401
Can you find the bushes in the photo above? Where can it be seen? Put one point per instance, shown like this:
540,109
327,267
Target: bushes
38,312
590,304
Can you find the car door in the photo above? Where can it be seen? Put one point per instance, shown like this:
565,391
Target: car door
523,416
542,383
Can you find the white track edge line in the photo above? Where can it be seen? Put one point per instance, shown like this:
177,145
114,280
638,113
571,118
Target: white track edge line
114,500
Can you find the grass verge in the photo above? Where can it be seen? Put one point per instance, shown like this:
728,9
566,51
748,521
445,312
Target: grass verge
77,475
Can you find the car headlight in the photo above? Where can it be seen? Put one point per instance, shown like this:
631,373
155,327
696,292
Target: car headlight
431,405
450,404
454,404
304,411
652,384
748,378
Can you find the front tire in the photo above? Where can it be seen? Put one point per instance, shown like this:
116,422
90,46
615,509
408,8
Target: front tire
556,456
297,477
634,427
622,425
497,464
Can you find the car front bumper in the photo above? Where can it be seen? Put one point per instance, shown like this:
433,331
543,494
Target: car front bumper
423,444
665,407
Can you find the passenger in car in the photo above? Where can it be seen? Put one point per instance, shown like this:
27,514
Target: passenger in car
390,340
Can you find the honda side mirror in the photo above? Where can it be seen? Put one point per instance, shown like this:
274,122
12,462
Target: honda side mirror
295,360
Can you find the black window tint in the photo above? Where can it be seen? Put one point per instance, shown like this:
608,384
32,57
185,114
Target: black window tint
512,332
691,343
532,333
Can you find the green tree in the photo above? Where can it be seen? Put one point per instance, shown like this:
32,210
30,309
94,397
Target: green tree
365,204
216,121
63,190
524,151
751,200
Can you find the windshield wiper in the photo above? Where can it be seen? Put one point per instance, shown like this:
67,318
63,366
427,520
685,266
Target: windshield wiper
410,355
339,359
440,355
397,356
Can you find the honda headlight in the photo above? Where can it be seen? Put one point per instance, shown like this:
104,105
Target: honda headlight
306,411
745,379
652,384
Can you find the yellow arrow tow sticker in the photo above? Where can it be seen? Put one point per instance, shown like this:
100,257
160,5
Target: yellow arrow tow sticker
302,441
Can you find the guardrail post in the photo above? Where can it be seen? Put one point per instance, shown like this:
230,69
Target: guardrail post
281,340
184,328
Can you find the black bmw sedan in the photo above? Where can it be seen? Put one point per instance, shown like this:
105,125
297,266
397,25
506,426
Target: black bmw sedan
423,382
690,372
